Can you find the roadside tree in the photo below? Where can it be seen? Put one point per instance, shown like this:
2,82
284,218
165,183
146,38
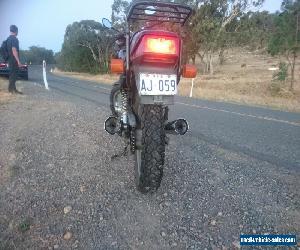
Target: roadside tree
93,37
286,37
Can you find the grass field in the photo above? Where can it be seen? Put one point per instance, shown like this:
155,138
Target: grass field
249,84
244,78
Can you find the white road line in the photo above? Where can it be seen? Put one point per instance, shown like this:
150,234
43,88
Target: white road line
96,86
241,114
99,87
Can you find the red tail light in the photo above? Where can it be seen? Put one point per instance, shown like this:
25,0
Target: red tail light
161,45
157,48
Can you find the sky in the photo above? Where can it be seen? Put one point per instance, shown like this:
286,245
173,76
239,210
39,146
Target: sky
43,22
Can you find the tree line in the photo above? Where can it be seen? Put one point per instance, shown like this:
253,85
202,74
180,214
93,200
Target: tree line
36,55
86,47
215,26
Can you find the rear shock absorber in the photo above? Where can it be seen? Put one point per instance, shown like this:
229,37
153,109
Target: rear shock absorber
124,108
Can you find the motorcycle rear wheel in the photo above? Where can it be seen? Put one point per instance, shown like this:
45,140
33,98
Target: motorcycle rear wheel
115,99
150,155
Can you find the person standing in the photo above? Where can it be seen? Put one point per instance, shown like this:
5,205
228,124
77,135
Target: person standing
13,59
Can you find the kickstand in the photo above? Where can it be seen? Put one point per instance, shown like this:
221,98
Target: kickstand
123,153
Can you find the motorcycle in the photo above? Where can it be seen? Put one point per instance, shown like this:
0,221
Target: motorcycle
150,69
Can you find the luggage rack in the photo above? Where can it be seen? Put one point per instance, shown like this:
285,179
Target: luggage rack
159,12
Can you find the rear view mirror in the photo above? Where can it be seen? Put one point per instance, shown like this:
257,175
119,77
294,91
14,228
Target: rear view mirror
106,23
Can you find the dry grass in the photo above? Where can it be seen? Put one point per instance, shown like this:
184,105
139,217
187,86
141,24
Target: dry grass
106,79
4,95
231,82
248,85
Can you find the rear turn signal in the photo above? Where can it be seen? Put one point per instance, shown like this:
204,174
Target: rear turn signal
117,66
189,71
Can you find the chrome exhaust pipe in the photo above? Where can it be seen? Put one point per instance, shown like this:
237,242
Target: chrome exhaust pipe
112,125
177,127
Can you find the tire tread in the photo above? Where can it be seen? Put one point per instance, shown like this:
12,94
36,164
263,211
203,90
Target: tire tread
153,153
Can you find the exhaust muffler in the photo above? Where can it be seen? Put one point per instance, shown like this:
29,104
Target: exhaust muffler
112,125
177,127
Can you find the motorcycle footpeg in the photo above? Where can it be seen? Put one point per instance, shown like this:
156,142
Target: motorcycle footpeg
177,127
112,125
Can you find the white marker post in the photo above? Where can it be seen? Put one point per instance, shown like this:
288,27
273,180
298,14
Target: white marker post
191,92
44,75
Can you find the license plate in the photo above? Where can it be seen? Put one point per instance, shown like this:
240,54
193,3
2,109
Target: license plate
157,84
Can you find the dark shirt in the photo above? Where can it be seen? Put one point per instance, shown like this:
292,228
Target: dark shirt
12,41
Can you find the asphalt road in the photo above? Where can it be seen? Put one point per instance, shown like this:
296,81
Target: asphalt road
268,135
236,172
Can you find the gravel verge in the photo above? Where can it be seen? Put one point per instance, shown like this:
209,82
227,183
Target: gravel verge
59,188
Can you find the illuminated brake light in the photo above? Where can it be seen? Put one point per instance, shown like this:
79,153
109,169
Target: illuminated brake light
160,45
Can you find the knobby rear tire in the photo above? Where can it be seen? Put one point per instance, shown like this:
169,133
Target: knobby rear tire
113,93
149,159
